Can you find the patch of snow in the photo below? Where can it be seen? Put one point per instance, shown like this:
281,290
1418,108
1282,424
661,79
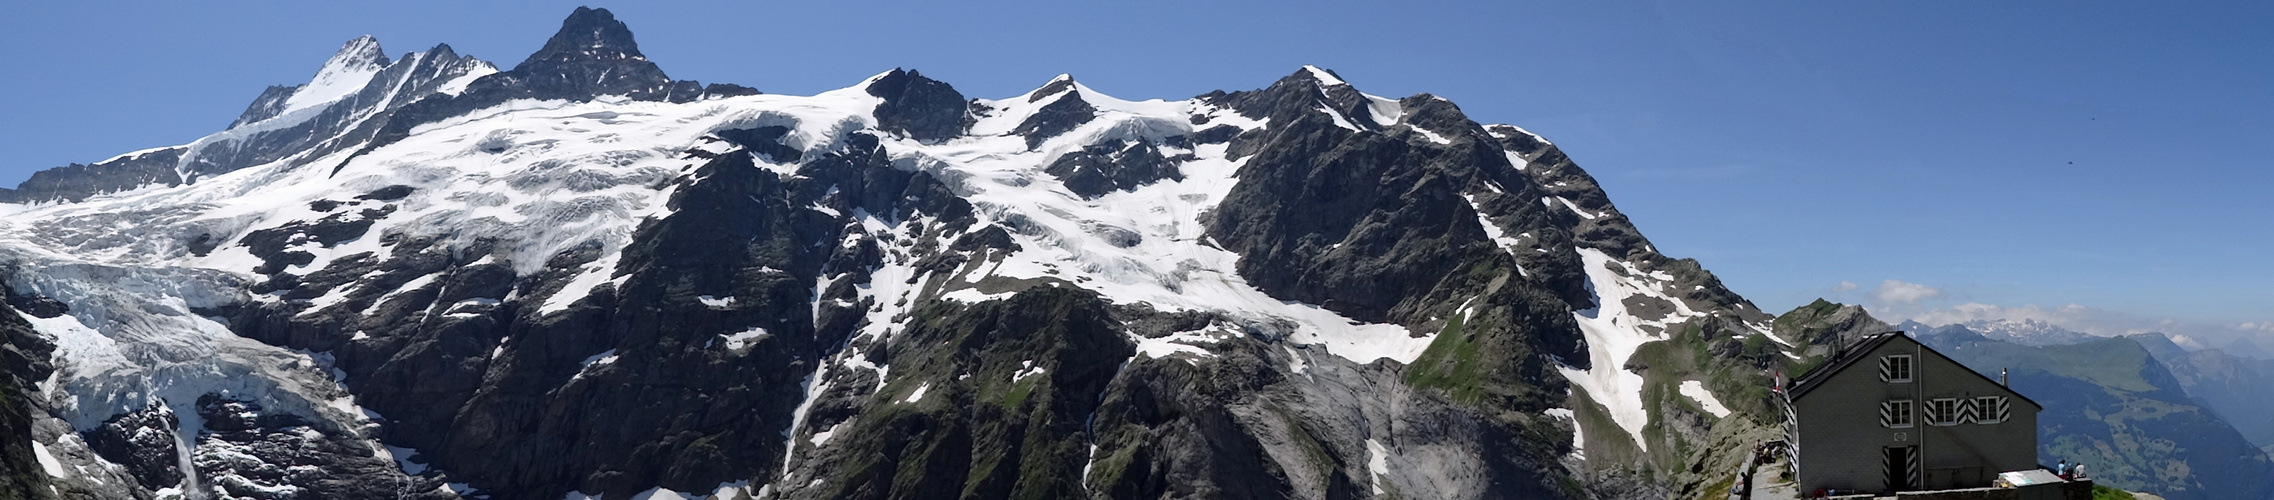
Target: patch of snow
47,461
919,394
605,357
346,73
1323,76
1386,112
1026,369
1339,121
1575,209
738,340
1377,463
716,302
1697,391
822,436
138,153
1431,135
458,85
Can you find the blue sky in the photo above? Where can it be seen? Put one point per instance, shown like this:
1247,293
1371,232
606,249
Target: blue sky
2110,155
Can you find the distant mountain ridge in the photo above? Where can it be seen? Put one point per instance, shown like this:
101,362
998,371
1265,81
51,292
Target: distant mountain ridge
2112,404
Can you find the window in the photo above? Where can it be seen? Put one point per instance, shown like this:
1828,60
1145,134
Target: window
1895,414
1942,411
1991,409
1895,368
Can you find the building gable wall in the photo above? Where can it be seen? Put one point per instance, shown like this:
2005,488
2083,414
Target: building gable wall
1841,437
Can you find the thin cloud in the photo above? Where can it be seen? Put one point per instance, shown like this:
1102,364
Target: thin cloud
1903,292
1845,287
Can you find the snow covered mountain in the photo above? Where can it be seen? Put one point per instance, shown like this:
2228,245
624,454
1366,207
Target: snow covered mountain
2027,332
426,277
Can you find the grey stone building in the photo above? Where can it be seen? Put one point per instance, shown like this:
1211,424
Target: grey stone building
1887,413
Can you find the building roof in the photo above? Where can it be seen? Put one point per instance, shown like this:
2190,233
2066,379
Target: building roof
1808,382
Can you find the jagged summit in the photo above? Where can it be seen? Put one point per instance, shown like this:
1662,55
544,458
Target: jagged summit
361,52
1061,83
922,108
592,55
588,35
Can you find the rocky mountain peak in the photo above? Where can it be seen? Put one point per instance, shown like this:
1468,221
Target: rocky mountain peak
1058,84
362,53
588,35
922,108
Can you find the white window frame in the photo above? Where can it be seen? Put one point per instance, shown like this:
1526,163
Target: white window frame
1986,409
1938,408
1888,368
1898,414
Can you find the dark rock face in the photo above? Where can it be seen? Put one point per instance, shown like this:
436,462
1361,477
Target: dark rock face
763,140
34,304
1357,223
24,359
924,109
143,441
275,245
75,182
593,54
253,454
1058,117
1105,168
993,433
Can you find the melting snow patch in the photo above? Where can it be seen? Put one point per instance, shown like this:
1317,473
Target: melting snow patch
1339,121
47,460
1575,208
1433,137
822,436
1295,360
1323,76
919,394
1027,369
603,358
1377,463
1697,391
716,302
1185,342
738,340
